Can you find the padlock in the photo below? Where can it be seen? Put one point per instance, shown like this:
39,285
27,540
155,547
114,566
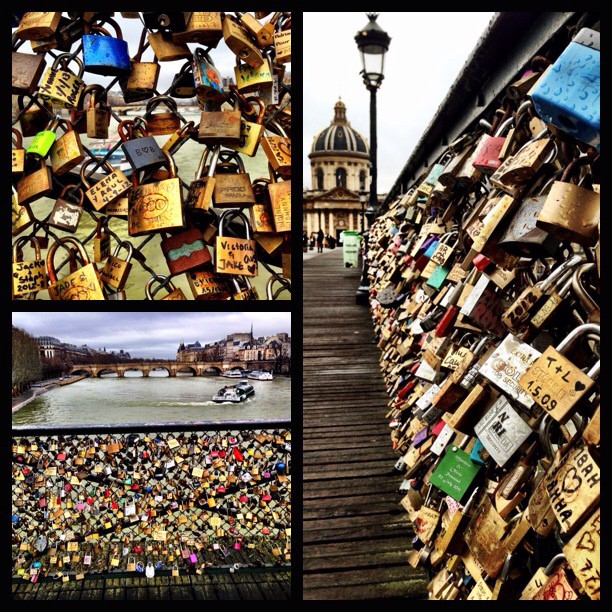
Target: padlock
262,219
555,383
590,306
41,143
173,292
232,187
83,284
26,69
220,127
237,39
156,206
567,93
141,82
250,132
278,150
61,86
282,42
21,216
249,79
34,26
78,115
172,21
29,276
284,285
207,79
17,153
67,33
486,157
116,270
107,190
67,150
34,117
102,53
101,241
179,138
141,150
571,212
185,250
236,256
66,215
165,49
280,202
202,28
164,122
35,185
262,33
242,289
183,83
97,115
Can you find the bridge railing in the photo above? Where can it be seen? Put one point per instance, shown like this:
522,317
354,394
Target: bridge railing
178,497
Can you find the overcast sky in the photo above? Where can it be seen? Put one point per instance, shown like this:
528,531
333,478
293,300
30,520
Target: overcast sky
148,334
426,53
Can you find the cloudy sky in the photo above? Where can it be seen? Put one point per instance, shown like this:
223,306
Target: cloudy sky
148,334
426,53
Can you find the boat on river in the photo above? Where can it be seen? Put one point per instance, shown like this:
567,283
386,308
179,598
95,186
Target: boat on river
260,375
237,393
234,373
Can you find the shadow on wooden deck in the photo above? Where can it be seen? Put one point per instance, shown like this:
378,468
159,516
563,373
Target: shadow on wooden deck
356,534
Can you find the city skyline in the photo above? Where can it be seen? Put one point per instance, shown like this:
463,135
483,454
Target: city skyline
150,334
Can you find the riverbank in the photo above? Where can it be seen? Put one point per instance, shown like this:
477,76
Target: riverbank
25,398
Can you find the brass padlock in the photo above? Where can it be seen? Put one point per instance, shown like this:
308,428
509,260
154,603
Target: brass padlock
35,185
156,206
233,187
282,42
107,190
220,127
66,215
97,114
237,39
173,292
21,216
83,284
116,270
165,49
236,256
242,289
101,241
261,212
34,117
34,26
206,284
17,153
141,83
29,276
61,86
201,189
26,69
249,79
164,122
280,200
278,150
250,132
67,150
261,32
202,27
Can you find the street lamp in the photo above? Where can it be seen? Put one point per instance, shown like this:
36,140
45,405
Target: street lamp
362,201
372,42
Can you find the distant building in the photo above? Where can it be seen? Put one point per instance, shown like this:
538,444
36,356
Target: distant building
51,348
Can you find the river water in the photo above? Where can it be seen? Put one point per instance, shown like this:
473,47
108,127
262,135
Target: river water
187,160
157,398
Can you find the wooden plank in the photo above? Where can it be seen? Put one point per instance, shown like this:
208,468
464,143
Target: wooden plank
224,586
203,588
246,586
270,586
390,590
373,575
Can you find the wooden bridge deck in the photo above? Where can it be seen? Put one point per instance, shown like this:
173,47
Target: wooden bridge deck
356,533
240,585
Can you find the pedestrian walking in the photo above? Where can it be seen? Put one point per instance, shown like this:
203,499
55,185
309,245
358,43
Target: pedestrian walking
320,237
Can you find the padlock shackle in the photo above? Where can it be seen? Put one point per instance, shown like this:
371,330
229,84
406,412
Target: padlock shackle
231,214
74,188
21,241
17,138
577,285
213,162
557,273
161,279
568,342
51,273
128,246
155,101
93,160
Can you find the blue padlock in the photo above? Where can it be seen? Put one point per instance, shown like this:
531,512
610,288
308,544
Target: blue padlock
567,94
103,54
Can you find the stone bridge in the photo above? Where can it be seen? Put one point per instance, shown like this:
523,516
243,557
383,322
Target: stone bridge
172,367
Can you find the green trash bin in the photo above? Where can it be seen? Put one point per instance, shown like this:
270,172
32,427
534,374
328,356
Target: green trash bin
350,248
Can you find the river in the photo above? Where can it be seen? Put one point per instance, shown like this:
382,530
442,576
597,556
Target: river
157,398
187,160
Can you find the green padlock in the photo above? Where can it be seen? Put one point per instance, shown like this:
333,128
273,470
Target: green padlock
438,276
42,142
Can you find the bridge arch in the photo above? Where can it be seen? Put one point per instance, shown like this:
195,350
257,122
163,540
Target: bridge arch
211,370
184,369
106,370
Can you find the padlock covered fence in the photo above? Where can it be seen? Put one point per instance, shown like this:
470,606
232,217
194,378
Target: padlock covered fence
184,497
106,157
484,289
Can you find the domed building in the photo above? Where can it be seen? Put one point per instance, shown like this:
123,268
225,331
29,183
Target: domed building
340,162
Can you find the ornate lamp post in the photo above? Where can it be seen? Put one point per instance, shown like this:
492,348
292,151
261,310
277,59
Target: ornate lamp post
373,43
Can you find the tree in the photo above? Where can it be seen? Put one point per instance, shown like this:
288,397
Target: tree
26,362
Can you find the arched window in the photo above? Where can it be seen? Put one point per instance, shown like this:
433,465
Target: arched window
362,180
319,178
340,177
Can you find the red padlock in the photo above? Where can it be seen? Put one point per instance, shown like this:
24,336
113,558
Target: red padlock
237,454
243,498
265,530
185,250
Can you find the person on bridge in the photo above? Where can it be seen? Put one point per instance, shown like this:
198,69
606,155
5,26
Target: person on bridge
320,237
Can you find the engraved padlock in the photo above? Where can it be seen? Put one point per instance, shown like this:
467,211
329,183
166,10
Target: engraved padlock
173,292
29,276
116,269
235,256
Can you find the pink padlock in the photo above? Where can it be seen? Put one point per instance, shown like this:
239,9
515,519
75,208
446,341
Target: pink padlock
193,558
237,545
243,498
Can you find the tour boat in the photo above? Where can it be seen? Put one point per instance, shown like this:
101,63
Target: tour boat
235,373
235,393
260,375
